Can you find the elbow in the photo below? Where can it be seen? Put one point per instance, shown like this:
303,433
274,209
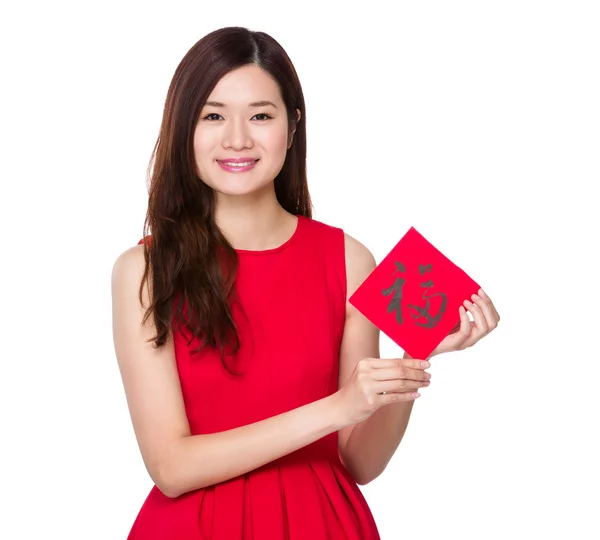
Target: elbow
165,480
366,479
355,471
362,479
169,472
166,484
173,480
168,490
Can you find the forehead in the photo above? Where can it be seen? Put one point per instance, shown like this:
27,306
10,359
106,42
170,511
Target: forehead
244,85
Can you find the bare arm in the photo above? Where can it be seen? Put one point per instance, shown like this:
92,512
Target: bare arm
367,447
177,461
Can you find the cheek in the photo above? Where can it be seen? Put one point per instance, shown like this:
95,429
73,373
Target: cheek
276,140
201,143
203,150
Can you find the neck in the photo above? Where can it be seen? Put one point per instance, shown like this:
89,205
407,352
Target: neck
255,225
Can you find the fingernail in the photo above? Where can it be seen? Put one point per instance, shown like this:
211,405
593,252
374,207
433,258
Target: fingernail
482,292
425,364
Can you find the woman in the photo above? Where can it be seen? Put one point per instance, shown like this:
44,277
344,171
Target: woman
255,389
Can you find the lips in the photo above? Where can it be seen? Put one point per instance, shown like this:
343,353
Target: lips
237,164
237,160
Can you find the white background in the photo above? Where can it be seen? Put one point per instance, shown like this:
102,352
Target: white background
476,122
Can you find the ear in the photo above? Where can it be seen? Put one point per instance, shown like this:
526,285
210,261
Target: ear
291,135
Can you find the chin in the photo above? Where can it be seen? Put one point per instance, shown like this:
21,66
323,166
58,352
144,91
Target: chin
240,188
246,183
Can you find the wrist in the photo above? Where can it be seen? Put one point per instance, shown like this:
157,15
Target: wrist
337,410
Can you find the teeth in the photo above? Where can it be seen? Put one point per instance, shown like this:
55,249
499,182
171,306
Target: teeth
229,164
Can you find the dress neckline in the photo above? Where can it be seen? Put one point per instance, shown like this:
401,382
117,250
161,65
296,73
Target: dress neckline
289,241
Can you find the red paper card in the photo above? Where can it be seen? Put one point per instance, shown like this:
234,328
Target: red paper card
413,296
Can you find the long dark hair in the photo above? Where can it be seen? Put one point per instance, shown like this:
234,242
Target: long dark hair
190,265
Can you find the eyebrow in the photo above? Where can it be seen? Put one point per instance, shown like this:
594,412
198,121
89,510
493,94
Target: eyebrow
253,104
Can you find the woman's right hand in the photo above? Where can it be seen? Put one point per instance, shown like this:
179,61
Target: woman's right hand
376,382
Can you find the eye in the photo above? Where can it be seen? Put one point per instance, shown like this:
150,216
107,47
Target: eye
211,117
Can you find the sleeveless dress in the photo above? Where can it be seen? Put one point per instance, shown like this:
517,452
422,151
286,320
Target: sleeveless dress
294,299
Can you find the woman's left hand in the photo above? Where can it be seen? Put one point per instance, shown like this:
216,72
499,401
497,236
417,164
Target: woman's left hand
485,317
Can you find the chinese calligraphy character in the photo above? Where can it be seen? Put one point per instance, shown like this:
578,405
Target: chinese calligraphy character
421,312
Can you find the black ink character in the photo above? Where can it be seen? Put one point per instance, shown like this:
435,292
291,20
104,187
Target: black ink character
421,312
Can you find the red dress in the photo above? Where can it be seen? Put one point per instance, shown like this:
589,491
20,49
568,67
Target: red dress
294,297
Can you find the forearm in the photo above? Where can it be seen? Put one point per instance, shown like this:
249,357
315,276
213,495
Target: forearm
374,441
199,461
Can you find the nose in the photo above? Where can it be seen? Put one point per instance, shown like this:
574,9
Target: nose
237,135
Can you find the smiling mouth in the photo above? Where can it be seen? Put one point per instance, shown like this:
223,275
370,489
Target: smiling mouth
237,166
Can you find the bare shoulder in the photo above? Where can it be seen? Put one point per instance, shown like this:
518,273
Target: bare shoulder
129,264
359,263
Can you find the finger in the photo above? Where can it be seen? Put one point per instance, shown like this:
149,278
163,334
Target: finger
478,317
382,362
395,397
400,386
480,325
465,325
400,372
486,308
455,341
393,362
414,363
484,295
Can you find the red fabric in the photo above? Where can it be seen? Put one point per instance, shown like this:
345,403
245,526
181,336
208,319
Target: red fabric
413,296
294,299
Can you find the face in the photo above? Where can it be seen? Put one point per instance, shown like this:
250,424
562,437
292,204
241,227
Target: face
241,138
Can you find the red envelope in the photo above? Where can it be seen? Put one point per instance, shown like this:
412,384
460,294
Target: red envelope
413,296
